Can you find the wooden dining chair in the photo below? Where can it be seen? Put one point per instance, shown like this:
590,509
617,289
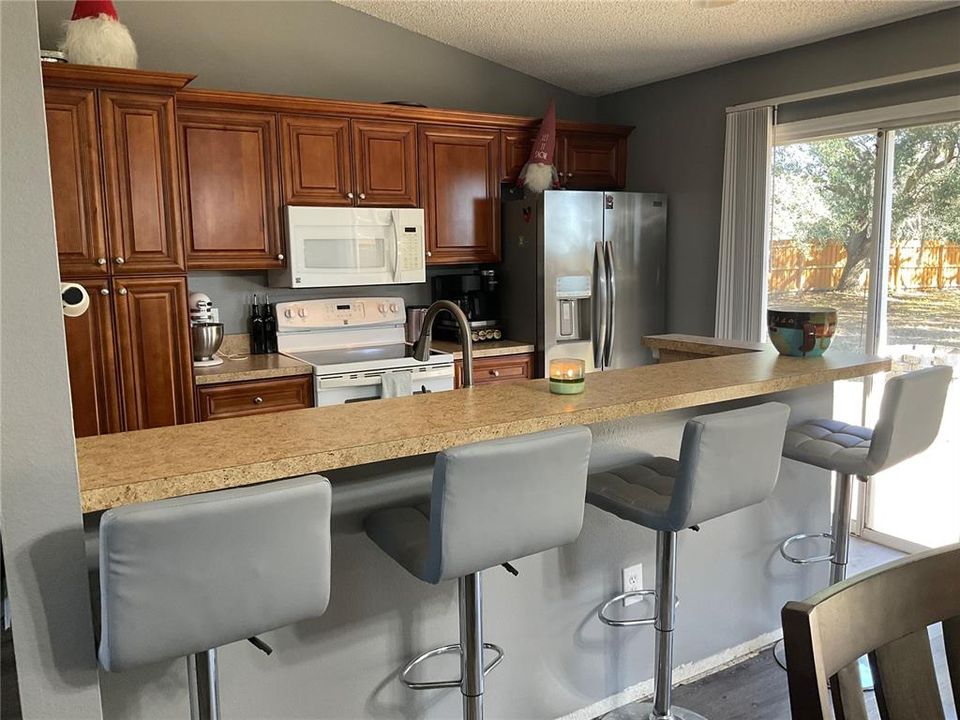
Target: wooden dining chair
883,613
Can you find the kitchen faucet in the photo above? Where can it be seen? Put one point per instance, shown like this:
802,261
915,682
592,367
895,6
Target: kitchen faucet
421,350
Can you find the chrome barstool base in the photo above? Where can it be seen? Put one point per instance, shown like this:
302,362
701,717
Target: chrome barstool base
644,711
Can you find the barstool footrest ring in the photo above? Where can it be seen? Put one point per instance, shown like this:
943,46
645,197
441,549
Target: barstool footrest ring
435,684
627,622
805,561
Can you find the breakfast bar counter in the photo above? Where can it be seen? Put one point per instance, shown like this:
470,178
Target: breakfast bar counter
146,465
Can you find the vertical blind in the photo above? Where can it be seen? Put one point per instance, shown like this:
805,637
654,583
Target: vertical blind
744,227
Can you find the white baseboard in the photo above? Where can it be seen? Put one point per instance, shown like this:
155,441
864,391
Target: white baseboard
682,674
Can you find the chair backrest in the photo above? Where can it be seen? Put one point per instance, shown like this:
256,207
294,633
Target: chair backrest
189,574
910,415
728,460
499,500
884,612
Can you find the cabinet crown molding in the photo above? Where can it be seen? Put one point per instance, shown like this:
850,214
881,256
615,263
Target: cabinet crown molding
110,78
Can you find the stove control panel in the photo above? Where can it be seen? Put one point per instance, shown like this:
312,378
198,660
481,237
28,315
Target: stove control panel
339,312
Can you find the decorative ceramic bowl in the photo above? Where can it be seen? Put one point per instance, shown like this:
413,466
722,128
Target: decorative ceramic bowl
801,331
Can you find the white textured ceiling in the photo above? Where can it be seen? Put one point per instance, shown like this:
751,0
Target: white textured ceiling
594,47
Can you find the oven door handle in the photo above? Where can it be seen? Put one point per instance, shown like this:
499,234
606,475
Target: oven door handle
395,221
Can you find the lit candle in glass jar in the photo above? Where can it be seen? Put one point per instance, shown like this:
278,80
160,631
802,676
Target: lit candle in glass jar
566,376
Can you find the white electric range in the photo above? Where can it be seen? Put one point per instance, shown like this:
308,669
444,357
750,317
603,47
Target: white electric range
352,343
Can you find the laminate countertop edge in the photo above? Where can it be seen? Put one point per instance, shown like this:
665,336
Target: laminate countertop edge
147,465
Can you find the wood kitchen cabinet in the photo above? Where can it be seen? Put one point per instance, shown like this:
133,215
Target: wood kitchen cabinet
254,397
341,162
141,183
74,146
229,179
515,147
497,368
460,191
591,161
155,359
92,362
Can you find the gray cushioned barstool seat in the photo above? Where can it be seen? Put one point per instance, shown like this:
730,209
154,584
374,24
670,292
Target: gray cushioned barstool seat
910,416
728,461
181,577
491,502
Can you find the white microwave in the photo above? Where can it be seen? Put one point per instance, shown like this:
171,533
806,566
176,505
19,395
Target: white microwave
339,247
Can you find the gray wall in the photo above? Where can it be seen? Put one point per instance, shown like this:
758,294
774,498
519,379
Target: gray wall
39,498
677,147
319,49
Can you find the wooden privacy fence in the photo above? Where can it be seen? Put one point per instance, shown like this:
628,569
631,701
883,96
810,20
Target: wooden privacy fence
913,266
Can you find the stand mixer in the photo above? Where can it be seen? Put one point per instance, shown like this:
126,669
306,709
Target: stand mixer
206,334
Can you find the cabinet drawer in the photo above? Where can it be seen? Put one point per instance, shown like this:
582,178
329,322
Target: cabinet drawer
254,397
498,368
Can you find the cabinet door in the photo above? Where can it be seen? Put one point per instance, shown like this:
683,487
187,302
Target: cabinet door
460,190
75,175
153,337
141,182
315,156
92,362
230,187
592,162
385,157
515,147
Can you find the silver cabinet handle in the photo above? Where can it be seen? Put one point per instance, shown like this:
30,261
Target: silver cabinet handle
363,196
350,195
104,291
279,256
119,260
101,261
122,291
429,254
257,400
569,175
495,373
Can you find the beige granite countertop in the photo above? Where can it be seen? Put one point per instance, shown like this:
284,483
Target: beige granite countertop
697,344
145,465
490,348
251,367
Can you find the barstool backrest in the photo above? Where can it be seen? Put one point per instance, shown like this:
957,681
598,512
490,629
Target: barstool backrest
910,416
728,460
189,574
499,500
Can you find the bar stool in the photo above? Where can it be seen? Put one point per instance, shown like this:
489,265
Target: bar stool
910,416
184,576
491,502
728,461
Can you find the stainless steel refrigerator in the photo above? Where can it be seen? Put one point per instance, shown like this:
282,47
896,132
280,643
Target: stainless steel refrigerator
583,275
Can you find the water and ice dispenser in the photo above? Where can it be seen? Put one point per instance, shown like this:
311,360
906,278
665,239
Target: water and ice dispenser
573,307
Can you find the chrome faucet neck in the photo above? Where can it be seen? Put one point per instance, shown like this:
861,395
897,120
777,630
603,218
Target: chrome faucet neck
421,350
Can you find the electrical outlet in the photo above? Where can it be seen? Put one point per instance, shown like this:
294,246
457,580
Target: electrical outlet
632,581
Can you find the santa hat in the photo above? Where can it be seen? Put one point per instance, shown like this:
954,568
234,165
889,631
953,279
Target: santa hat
539,173
95,36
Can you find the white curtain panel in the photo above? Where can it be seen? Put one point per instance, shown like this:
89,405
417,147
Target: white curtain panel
744,225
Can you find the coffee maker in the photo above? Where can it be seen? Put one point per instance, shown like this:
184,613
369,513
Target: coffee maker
475,294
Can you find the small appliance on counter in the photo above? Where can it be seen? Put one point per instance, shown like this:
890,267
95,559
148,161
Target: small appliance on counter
476,295
205,331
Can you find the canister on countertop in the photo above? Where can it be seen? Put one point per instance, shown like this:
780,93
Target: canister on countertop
415,315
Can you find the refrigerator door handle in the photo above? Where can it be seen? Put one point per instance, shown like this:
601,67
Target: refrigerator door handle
600,306
611,305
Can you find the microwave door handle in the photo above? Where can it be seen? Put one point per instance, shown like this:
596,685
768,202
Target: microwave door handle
599,329
396,245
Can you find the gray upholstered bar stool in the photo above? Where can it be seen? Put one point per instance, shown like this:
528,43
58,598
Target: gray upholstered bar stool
491,502
181,577
728,461
910,416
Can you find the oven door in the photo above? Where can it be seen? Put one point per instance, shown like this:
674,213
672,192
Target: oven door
363,386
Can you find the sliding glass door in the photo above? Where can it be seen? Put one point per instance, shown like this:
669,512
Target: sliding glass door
868,221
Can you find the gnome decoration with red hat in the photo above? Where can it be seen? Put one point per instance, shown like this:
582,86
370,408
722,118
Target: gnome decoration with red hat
95,36
539,174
